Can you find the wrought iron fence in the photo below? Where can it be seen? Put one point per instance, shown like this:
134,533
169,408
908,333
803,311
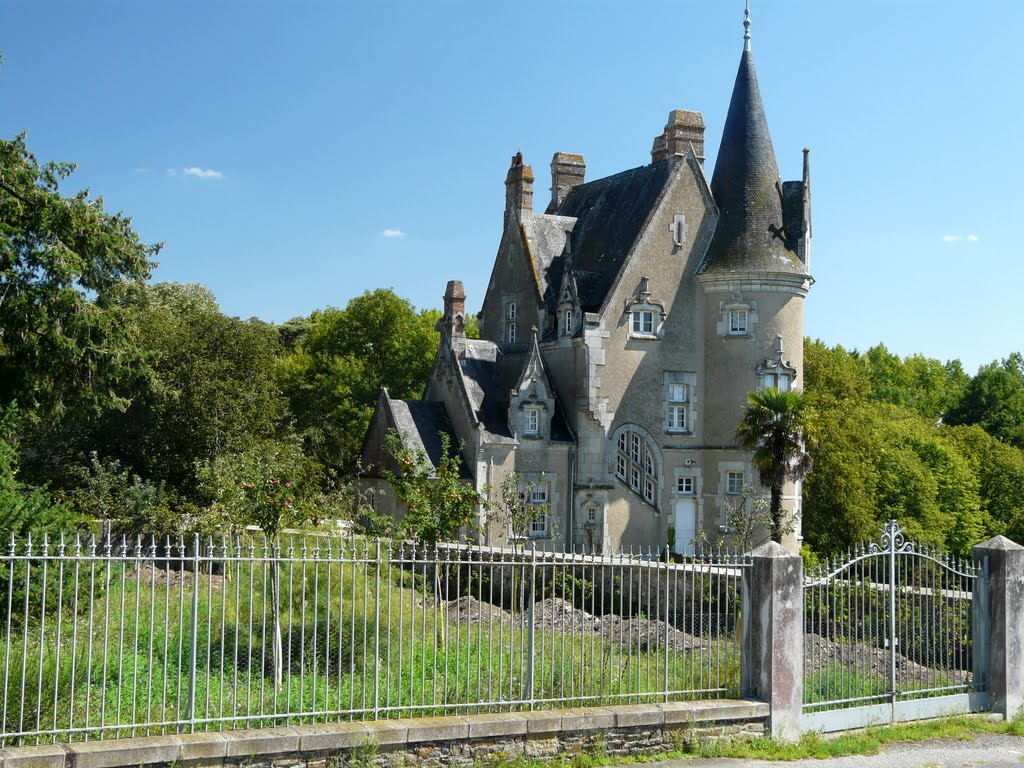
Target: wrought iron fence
106,639
892,622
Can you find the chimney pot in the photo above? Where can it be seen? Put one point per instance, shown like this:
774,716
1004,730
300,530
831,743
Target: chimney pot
567,171
682,129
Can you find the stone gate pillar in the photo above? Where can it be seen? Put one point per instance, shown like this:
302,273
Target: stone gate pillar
1005,622
772,664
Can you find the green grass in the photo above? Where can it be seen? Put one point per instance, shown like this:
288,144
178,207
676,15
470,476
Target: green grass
863,742
811,746
132,651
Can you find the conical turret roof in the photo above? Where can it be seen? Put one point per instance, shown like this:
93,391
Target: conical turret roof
746,187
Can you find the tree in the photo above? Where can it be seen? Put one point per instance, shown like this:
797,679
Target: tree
516,510
25,510
267,486
919,383
774,427
437,501
994,400
214,390
345,356
67,344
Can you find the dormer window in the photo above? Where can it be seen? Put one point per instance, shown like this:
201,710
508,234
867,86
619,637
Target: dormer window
643,322
645,315
532,421
776,371
780,380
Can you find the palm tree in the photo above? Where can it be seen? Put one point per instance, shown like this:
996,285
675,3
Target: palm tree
774,427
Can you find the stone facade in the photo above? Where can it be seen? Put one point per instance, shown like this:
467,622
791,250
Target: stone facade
622,330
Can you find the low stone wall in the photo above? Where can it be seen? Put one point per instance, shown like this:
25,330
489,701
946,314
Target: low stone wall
428,742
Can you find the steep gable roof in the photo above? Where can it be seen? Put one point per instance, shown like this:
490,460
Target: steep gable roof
610,215
421,424
489,377
544,236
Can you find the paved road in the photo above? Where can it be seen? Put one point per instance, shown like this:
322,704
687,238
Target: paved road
985,751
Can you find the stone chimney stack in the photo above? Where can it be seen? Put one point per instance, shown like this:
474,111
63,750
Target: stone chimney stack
453,321
567,171
682,129
519,187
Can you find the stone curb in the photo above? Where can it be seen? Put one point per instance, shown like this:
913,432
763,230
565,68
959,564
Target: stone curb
195,750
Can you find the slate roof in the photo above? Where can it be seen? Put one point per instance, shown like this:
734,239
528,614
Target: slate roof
750,236
489,376
610,214
481,371
545,242
421,424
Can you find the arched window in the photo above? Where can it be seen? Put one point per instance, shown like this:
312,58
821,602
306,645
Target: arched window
636,465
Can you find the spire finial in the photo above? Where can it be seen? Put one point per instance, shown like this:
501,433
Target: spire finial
746,27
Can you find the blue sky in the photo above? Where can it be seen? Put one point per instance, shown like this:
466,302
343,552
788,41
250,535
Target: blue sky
275,146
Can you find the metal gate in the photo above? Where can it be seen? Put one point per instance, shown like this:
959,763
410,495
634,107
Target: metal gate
894,632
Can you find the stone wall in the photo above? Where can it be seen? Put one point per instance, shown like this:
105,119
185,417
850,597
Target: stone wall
427,742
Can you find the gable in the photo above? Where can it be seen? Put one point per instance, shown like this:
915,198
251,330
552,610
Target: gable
610,214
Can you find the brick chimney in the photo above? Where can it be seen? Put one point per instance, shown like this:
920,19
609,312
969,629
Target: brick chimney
519,187
682,129
453,321
567,171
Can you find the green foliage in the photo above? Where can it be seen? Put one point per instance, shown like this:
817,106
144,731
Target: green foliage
437,502
334,377
66,343
514,509
994,400
774,427
881,452
25,510
269,485
999,469
216,390
108,490
918,383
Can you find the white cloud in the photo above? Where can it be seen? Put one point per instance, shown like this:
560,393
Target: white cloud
958,238
392,233
202,173
950,238
972,238
171,172
142,170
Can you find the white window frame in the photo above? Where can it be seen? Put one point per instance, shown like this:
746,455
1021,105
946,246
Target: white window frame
531,421
735,479
685,486
678,397
777,379
738,319
568,322
643,322
510,331
676,417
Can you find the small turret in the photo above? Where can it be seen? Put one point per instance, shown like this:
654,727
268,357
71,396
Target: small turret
453,321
